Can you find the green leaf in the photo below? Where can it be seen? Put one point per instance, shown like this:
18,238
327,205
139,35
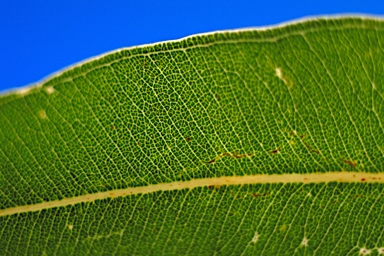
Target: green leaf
253,142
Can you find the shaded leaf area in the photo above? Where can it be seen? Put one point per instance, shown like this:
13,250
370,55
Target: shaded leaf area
271,219
302,98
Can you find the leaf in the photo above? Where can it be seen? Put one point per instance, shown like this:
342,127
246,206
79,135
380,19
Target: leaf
253,142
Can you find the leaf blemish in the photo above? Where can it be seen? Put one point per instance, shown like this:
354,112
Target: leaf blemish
255,195
312,149
42,114
364,251
275,151
304,242
255,238
49,90
279,74
349,162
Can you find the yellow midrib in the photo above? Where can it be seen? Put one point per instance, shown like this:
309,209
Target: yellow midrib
219,181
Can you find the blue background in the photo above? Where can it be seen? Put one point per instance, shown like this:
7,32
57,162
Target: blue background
41,37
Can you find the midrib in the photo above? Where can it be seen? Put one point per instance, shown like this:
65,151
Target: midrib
219,181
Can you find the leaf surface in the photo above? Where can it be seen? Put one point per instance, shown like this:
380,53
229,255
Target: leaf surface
253,142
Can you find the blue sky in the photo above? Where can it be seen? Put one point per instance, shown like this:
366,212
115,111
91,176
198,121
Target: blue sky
38,38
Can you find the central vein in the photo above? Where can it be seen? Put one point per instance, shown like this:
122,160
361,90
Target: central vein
361,177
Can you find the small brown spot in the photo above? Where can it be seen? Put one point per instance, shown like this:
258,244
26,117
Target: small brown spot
312,149
302,136
188,139
112,127
211,161
138,143
226,154
218,97
255,195
363,179
349,162
210,187
236,155
275,151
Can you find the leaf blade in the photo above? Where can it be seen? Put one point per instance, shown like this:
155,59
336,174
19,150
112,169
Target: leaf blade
305,98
